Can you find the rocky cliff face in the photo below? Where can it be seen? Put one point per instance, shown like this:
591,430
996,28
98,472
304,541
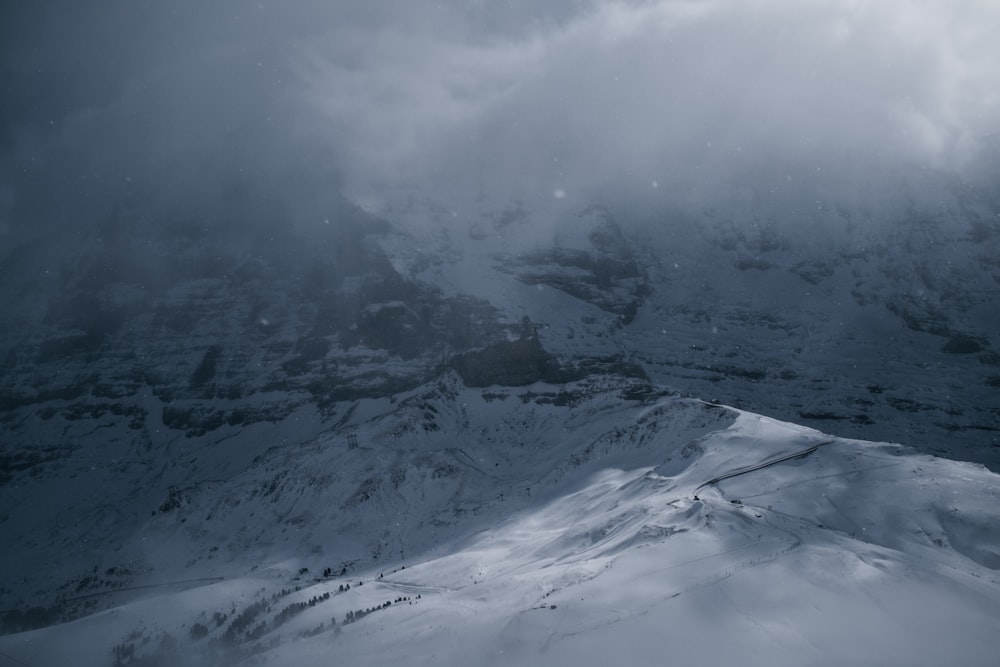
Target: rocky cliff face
157,375
869,319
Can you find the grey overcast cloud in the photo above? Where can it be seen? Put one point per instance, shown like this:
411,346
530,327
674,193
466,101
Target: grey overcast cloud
285,102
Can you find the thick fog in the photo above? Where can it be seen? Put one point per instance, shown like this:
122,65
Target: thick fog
226,109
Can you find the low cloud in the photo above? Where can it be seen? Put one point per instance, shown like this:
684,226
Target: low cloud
183,104
686,95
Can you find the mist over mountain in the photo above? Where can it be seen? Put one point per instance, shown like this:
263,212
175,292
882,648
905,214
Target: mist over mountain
301,295
501,100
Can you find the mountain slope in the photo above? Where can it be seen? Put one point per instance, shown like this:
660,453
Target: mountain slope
808,550
187,403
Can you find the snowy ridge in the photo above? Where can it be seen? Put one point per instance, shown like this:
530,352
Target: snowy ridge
842,551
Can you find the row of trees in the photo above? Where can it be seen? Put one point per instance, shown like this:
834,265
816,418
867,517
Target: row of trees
353,616
297,607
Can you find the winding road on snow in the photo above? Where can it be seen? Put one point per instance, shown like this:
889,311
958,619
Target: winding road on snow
757,466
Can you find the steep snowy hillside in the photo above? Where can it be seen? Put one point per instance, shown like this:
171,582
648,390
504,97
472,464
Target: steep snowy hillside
558,525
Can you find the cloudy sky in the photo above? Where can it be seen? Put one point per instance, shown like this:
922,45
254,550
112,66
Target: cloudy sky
221,107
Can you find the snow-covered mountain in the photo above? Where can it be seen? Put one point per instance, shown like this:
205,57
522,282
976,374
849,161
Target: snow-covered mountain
499,332
212,429
552,524
875,317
